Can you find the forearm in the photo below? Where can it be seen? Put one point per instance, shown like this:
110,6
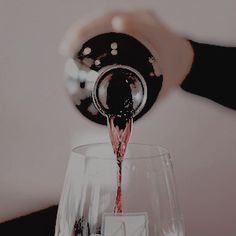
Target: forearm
213,74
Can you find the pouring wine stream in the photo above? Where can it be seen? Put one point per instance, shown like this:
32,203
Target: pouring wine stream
119,140
119,94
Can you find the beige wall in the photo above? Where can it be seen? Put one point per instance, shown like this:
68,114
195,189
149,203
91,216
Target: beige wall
38,125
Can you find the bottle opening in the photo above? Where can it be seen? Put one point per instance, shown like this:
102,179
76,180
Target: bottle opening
120,91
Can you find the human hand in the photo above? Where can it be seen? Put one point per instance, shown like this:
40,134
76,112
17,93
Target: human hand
173,54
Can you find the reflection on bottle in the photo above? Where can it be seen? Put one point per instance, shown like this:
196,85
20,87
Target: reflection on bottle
113,54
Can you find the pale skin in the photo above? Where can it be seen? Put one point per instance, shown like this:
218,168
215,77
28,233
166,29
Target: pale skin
173,53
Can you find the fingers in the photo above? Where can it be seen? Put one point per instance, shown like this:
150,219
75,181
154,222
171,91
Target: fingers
99,25
85,29
137,23
142,26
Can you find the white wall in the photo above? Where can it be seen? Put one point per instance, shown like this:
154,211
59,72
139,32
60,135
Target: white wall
38,125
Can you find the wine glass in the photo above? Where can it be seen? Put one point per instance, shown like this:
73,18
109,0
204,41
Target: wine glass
150,205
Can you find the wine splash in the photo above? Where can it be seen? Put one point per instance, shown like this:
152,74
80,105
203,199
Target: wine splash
120,130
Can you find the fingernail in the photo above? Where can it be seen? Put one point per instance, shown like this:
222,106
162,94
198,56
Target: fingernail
117,23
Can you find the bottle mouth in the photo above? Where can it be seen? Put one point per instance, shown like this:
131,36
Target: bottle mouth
119,90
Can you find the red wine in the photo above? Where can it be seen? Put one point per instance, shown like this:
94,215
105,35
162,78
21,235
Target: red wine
120,130
118,105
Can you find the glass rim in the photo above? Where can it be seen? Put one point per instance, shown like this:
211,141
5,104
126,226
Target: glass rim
164,152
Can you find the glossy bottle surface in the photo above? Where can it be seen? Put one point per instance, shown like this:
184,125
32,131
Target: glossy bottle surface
109,73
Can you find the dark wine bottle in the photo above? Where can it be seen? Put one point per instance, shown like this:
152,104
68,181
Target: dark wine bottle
112,74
